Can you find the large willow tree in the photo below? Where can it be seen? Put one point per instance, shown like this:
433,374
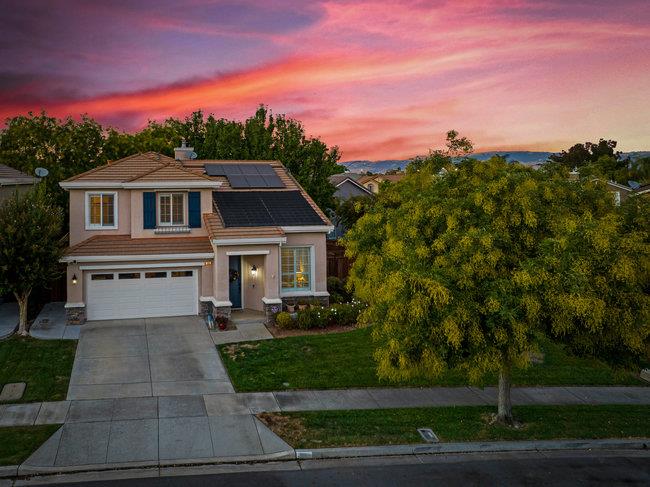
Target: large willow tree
467,268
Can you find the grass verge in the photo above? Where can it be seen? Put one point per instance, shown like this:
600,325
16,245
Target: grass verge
44,365
19,442
344,360
321,429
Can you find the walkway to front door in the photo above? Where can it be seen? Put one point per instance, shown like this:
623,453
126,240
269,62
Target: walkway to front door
146,357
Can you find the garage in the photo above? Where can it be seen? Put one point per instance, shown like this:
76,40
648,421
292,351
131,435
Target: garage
141,293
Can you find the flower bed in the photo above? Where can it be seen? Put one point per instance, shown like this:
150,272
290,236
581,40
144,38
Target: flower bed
314,317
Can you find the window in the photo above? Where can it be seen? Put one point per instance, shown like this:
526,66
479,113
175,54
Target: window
154,275
296,268
617,198
182,273
371,187
129,275
101,210
172,209
102,277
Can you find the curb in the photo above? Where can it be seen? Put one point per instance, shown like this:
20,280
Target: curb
30,470
472,447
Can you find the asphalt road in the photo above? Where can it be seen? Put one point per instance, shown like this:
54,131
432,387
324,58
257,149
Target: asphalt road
503,469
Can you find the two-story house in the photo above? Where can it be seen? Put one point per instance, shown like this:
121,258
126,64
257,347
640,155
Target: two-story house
154,236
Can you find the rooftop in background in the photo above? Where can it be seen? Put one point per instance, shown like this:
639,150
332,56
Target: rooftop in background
12,177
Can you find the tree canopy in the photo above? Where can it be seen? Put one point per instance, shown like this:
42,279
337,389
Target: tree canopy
68,147
467,268
601,160
30,245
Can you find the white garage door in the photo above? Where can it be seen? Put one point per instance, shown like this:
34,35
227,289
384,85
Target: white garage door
141,293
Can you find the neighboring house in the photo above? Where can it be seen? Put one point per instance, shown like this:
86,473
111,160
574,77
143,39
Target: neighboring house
154,236
373,182
12,180
621,192
347,186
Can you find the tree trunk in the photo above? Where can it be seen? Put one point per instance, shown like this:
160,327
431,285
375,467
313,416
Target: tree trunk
22,307
504,411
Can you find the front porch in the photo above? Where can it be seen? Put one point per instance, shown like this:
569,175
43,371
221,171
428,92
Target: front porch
249,325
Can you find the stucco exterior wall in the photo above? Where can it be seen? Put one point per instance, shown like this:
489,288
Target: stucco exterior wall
78,232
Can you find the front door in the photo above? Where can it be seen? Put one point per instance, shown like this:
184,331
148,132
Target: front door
234,280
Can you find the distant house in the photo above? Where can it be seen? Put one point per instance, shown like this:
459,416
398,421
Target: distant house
372,182
621,192
12,180
347,186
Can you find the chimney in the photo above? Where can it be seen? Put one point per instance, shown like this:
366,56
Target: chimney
184,153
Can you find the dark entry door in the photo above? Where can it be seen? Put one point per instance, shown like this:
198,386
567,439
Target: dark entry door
234,279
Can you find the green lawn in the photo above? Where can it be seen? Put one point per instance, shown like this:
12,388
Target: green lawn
344,360
45,366
320,429
19,442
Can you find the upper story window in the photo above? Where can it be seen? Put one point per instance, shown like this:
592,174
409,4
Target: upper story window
101,211
296,269
172,209
371,187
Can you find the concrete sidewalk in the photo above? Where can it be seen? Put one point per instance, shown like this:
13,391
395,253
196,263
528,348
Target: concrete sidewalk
257,402
51,324
9,318
108,433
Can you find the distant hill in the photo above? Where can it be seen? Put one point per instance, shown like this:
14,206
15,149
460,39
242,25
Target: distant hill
525,157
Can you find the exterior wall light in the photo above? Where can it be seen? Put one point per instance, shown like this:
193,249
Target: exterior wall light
254,271
74,278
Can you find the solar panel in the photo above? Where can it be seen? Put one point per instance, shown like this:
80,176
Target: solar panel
238,181
246,175
215,170
265,208
273,181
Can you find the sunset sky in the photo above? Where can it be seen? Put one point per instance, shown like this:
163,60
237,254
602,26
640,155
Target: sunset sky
380,79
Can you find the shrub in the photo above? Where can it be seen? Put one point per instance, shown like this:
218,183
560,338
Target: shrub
344,314
314,317
284,320
336,288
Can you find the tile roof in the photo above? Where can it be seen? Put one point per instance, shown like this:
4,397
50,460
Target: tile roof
11,176
125,169
216,230
393,178
116,245
171,172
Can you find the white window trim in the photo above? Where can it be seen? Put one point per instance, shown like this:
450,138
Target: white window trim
90,226
312,272
159,212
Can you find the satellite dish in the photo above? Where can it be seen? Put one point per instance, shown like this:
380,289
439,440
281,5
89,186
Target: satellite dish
193,155
41,172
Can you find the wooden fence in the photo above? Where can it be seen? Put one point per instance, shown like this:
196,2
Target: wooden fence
338,265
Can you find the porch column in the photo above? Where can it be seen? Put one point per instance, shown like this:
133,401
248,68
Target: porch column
220,280
271,299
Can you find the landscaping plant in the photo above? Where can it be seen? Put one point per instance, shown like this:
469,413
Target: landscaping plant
468,267
30,246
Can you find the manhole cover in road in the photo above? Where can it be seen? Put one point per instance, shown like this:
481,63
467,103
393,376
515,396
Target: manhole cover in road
428,435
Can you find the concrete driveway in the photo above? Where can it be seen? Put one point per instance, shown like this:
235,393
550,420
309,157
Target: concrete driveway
146,357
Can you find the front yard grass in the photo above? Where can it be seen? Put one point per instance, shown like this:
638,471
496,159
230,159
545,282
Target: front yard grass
345,360
19,442
321,429
44,365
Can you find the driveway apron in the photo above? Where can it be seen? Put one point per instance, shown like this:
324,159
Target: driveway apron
146,357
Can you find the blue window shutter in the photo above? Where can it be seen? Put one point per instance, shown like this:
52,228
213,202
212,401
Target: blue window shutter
149,210
194,209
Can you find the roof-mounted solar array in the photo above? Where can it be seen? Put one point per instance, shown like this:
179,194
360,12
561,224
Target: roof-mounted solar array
246,175
265,208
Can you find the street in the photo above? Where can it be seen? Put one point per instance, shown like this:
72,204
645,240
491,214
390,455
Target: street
530,468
